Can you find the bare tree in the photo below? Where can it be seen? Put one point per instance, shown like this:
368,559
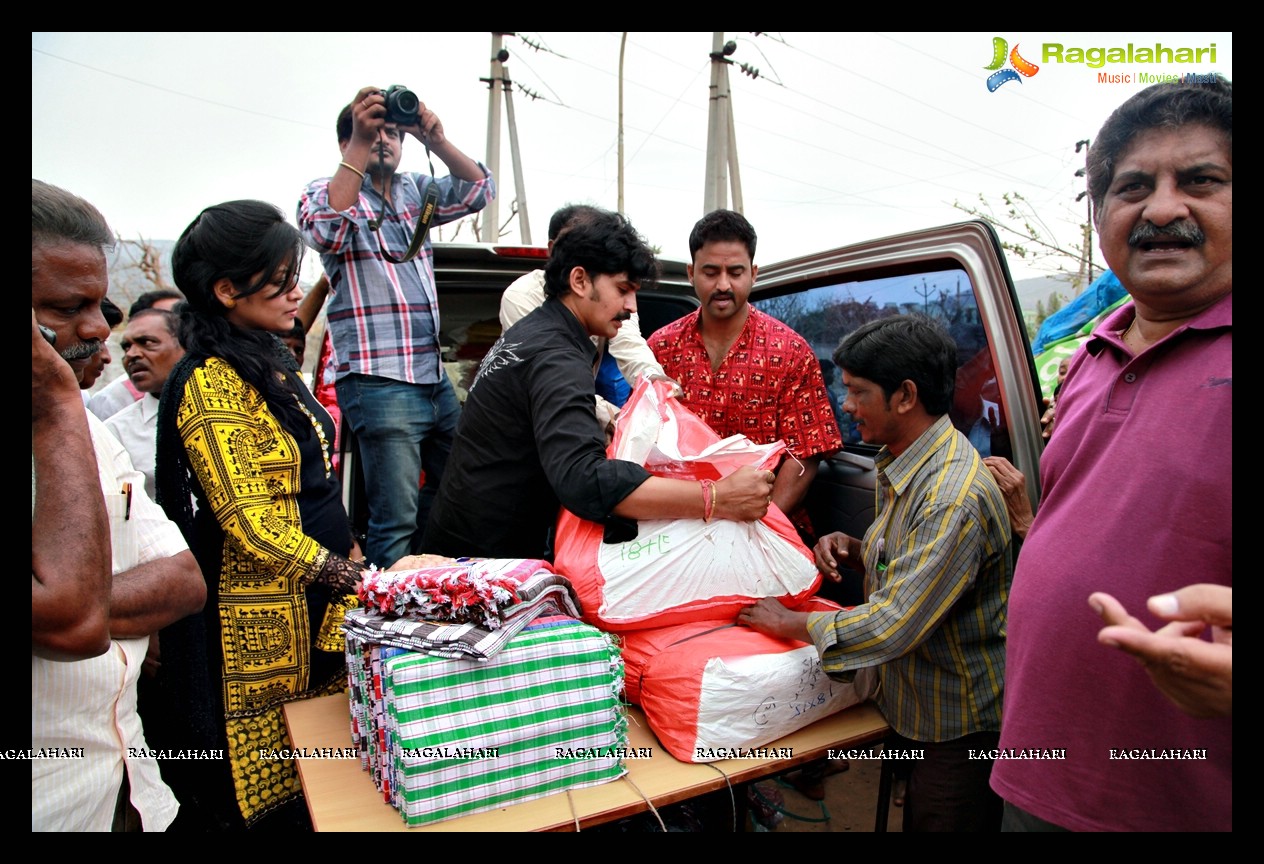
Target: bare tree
138,266
471,221
1025,234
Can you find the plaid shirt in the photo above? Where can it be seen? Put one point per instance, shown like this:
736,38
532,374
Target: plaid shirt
769,387
384,317
937,574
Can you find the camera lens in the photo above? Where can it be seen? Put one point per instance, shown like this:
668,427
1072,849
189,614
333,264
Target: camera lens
402,106
406,102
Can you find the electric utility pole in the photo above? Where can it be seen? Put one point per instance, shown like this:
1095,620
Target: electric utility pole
1083,144
491,227
520,185
721,137
491,213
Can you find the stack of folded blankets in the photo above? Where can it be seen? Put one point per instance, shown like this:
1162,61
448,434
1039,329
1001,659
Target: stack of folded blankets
468,679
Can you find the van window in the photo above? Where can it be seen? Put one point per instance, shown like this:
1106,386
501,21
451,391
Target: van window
823,315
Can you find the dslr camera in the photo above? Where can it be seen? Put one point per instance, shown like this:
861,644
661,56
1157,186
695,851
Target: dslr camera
402,105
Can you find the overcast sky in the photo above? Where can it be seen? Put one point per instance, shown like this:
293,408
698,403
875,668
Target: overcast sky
843,137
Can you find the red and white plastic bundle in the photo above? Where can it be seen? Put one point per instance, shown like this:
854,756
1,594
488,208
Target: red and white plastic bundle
679,570
713,687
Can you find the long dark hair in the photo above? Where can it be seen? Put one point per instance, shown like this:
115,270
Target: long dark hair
246,242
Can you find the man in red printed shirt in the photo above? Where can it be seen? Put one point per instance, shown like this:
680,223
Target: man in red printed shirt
742,371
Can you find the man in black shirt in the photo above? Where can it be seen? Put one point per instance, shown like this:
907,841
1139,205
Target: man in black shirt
528,440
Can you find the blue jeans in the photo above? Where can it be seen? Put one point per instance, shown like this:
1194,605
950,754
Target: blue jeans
402,429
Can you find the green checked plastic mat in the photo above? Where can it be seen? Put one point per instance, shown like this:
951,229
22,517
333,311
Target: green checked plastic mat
542,716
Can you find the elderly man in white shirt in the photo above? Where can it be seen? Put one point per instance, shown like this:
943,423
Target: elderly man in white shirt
150,351
121,392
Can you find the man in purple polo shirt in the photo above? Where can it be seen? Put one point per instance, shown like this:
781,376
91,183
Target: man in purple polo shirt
1137,496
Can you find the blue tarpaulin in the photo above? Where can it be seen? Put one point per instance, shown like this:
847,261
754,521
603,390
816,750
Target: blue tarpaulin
1067,329
1104,293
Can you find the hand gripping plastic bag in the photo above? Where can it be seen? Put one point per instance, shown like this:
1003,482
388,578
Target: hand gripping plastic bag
679,570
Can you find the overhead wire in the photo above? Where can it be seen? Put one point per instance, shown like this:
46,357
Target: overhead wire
174,92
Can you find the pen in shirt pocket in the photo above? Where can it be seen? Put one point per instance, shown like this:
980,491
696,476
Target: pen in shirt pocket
127,506
882,555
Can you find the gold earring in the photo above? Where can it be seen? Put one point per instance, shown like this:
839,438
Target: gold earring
230,303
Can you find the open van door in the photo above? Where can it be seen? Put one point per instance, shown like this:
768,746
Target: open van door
956,273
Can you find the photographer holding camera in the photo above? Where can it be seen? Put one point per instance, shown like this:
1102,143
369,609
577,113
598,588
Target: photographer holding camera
369,225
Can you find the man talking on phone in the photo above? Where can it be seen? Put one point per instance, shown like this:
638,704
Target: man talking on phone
108,569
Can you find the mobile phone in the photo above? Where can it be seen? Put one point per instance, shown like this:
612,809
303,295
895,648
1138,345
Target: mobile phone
49,335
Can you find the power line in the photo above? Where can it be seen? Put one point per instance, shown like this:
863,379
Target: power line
557,99
971,74
938,151
176,92
539,46
937,147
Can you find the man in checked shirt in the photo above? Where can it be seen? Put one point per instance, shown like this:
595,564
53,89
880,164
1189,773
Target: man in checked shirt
937,571
384,315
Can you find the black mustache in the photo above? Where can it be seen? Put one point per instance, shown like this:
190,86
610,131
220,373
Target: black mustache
82,351
1148,232
623,316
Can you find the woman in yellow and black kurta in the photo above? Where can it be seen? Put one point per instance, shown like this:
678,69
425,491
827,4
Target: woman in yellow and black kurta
244,469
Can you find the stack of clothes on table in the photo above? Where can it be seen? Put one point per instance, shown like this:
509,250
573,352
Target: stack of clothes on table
467,678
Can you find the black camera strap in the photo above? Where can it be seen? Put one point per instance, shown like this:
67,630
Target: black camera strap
429,203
